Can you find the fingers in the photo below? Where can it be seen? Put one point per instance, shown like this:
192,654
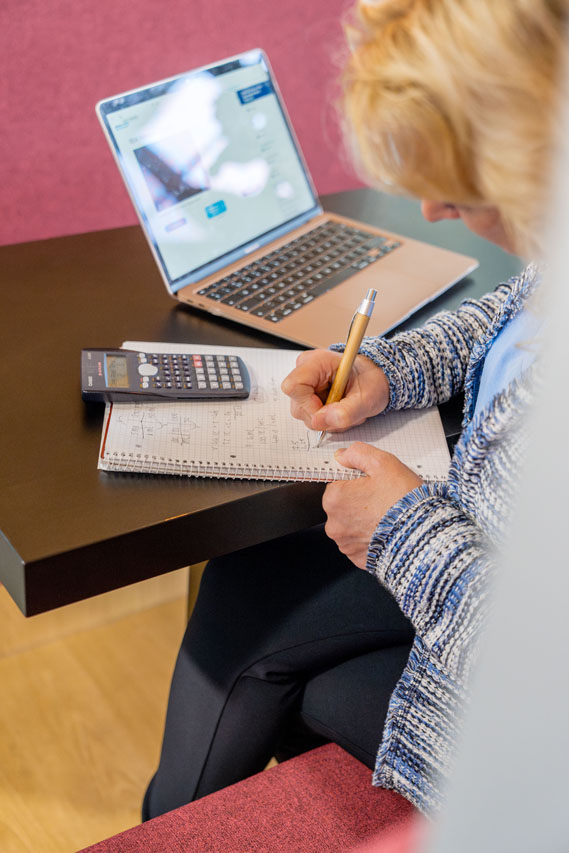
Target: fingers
305,405
307,385
367,391
314,369
394,477
354,507
340,416
364,457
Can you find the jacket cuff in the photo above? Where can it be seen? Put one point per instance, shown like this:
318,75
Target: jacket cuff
380,352
414,509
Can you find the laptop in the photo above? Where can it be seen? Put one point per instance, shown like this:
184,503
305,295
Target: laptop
227,204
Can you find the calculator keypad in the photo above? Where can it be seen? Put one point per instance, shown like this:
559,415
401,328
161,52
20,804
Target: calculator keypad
193,375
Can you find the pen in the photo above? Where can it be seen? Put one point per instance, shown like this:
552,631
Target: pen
355,335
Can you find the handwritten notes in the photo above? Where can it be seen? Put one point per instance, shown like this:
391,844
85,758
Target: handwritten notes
257,437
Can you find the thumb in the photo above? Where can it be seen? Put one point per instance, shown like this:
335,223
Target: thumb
364,457
340,416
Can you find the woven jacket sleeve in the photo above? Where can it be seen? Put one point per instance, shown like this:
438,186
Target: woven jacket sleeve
427,366
436,562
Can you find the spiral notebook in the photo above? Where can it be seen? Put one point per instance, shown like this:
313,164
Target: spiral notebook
255,438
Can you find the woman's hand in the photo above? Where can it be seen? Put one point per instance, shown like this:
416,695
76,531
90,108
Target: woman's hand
367,391
355,507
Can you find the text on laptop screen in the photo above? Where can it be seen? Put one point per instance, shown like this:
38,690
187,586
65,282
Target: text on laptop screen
210,162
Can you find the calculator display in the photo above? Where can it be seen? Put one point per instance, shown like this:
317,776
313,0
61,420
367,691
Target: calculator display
117,373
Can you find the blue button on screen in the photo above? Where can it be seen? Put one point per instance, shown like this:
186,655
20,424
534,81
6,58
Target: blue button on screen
215,209
251,93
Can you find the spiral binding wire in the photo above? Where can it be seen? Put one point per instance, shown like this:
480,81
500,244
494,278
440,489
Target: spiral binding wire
136,463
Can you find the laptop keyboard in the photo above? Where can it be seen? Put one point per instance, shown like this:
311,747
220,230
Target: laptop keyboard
285,280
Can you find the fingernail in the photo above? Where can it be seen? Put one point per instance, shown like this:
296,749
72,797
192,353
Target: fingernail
339,450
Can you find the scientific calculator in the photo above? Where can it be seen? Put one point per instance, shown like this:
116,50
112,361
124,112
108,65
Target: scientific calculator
122,376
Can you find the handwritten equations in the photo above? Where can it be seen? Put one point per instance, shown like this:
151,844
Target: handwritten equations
257,437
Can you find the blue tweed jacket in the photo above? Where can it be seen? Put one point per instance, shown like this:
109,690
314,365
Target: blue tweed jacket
434,549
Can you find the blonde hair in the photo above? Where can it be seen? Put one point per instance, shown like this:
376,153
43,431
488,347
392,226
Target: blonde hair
455,101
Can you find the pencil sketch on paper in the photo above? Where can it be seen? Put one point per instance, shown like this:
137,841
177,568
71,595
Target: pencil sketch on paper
145,423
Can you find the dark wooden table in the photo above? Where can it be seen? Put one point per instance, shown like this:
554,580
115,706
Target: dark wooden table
69,531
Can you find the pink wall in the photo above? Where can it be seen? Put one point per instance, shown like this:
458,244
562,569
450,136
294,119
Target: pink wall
59,57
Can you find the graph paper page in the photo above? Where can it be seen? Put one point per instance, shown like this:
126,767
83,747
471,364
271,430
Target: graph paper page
258,432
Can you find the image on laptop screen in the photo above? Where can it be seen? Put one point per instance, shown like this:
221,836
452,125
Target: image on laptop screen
211,165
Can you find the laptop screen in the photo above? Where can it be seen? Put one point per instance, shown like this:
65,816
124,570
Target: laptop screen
211,165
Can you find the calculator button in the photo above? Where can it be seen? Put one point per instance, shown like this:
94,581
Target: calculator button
147,369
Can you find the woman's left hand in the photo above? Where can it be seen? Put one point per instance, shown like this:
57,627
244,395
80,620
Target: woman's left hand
355,507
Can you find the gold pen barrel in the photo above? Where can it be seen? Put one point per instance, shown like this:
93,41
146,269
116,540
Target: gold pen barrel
355,335
357,331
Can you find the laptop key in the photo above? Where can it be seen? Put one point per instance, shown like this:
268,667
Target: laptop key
248,304
287,295
232,299
325,284
376,242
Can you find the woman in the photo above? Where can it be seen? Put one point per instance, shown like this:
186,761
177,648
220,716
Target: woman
454,102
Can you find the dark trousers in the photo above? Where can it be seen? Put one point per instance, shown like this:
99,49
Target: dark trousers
289,646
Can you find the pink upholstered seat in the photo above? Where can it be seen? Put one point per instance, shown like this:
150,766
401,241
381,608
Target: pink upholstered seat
322,801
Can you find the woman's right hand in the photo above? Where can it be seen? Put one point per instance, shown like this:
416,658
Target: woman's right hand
366,395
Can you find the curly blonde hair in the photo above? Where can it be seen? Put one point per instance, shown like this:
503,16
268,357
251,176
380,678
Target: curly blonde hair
456,101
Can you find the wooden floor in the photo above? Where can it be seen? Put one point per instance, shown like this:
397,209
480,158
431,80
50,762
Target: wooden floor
82,703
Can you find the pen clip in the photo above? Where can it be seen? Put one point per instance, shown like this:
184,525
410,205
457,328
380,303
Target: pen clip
351,324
